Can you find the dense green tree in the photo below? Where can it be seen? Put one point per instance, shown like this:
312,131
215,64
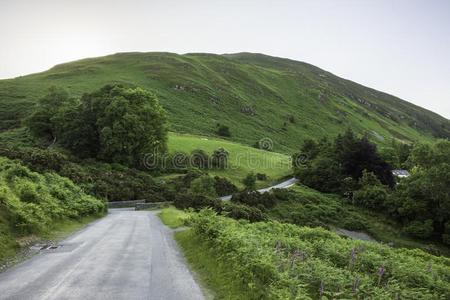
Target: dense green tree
249,181
115,124
422,201
223,130
42,122
323,174
219,158
199,159
203,185
329,163
310,148
358,154
372,193
224,187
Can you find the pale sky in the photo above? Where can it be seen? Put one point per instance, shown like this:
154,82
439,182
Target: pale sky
397,46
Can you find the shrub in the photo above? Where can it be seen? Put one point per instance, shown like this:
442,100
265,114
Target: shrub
203,185
420,229
199,159
261,176
33,202
219,158
223,130
249,181
187,200
239,211
113,182
255,199
224,187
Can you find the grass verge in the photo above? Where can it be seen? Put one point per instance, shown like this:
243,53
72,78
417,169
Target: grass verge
172,217
14,250
214,274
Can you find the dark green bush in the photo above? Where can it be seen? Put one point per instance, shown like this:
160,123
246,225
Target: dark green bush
249,181
224,187
200,159
261,176
223,130
188,200
420,229
255,199
240,211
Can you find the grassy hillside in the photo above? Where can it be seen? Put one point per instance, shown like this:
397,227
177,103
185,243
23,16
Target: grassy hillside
257,96
32,203
242,160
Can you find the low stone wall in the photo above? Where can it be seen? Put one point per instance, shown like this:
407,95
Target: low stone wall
122,204
154,205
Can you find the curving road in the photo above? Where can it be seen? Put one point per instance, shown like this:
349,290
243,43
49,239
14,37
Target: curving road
282,185
125,255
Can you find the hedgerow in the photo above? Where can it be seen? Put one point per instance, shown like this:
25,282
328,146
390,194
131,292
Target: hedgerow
285,261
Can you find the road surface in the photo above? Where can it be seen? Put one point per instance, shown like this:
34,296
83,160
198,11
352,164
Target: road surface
281,185
125,255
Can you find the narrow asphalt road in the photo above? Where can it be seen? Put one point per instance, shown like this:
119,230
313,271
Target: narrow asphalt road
282,185
125,255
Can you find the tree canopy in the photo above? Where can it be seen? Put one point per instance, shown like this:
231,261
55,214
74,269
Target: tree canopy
326,164
114,124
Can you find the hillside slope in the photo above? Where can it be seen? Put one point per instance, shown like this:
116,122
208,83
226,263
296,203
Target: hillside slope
255,95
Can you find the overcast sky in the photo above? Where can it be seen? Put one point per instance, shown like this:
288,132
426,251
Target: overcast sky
399,47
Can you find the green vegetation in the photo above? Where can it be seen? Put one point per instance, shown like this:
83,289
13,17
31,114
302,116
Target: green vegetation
282,261
256,96
114,124
223,130
422,201
203,185
303,206
173,217
241,161
104,132
112,182
338,165
352,167
32,203
215,274
249,181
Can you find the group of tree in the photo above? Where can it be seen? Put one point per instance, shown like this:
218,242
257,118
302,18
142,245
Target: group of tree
249,181
114,124
352,167
336,166
421,202
198,159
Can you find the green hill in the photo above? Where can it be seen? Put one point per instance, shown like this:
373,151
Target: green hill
257,96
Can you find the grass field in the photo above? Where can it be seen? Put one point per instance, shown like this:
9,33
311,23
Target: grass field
243,159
